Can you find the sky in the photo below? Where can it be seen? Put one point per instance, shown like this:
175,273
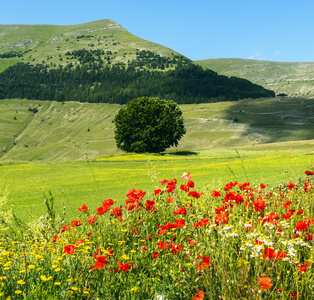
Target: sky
273,30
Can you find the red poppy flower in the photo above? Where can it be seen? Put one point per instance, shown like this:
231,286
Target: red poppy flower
300,212
199,296
280,254
180,211
192,242
55,238
269,253
149,205
170,200
83,208
309,173
91,220
262,185
194,194
155,255
102,209
243,185
184,187
287,204
97,265
171,188
111,253
179,223
259,204
101,259
65,227
69,249
216,194
204,264
156,192
124,267
230,185
108,202
287,215
162,245
176,248
265,282
302,225
191,184
76,223
309,237
221,219
290,185
118,213
163,181
302,267
130,207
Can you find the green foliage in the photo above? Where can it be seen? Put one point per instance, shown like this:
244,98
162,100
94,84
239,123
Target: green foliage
90,82
148,125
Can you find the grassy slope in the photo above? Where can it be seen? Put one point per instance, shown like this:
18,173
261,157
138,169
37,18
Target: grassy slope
59,132
294,79
49,43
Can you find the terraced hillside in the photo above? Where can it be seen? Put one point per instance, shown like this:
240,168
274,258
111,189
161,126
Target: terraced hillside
56,131
295,79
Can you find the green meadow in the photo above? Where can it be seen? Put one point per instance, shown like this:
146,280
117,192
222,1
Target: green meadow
90,182
68,149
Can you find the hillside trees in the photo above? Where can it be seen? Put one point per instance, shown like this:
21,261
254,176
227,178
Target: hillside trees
118,84
148,125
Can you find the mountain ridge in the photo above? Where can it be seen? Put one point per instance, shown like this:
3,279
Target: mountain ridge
49,43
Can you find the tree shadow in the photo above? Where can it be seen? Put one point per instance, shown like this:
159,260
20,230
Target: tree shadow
183,153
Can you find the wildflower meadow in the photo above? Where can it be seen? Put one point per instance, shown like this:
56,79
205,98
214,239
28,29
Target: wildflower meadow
235,241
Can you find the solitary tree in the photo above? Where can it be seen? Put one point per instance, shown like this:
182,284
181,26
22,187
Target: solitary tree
148,125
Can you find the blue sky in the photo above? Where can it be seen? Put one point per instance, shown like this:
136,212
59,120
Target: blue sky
274,30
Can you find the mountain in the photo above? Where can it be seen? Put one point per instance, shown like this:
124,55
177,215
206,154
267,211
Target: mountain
49,44
102,62
295,79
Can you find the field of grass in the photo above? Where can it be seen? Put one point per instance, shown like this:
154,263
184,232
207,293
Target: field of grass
231,240
74,131
73,183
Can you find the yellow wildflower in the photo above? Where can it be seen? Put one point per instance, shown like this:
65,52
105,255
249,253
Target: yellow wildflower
21,281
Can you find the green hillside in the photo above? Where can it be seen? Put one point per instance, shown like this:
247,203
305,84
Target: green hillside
76,131
48,44
102,62
292,78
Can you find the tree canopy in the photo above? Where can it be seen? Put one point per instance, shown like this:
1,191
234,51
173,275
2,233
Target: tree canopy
90,82
148,125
